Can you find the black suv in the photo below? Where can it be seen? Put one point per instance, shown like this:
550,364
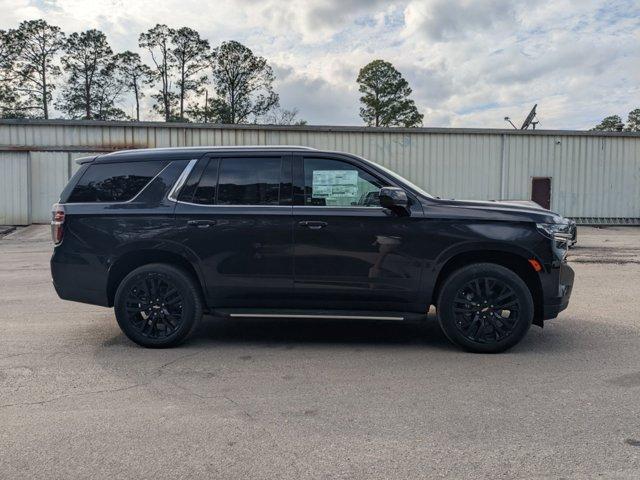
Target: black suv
165,235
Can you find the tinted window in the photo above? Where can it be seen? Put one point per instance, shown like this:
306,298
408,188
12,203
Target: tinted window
206,191
114,182
68,189
339,184
249,181
189,187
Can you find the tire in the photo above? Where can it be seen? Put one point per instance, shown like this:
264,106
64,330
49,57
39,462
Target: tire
469,313
162,320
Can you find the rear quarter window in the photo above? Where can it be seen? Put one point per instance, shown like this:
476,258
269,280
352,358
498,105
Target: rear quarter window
114,182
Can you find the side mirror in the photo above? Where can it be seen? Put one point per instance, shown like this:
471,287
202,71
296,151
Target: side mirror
395,199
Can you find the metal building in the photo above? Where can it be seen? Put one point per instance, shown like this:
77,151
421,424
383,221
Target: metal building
593,177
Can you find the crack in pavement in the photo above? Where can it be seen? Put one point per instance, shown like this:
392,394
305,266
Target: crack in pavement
72,395
162,367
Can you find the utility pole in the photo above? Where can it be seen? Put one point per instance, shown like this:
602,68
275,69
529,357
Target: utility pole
206,103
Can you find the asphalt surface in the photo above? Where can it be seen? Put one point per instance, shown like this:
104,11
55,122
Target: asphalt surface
274,399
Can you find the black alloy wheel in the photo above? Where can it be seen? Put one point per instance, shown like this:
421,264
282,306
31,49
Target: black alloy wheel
158,305
154,306
485,308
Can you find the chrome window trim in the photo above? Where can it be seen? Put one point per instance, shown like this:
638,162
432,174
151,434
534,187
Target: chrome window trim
231,206
276,206
175,190
355,207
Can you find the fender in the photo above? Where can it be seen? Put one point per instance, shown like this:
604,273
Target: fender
155,247
486,247
480,246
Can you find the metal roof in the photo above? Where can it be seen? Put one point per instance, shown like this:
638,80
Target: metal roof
315,128
594,174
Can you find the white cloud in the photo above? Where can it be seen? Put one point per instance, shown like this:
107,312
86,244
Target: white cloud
442,20
469,62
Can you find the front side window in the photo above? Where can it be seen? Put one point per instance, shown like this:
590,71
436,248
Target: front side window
334,183
114,182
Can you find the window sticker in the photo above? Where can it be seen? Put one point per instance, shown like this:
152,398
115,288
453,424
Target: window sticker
334,184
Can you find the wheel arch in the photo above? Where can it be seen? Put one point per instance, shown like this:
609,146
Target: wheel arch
129,261
516,263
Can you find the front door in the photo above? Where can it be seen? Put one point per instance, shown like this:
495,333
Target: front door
234,215
350,253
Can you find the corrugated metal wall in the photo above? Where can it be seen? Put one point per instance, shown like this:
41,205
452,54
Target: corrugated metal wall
595,176
15,204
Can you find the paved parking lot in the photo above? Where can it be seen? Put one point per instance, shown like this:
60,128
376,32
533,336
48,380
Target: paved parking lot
275,399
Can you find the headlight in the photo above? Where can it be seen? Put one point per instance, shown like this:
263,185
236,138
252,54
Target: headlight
561,235
556,231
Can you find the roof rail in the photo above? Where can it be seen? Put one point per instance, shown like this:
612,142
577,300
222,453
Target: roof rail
212,147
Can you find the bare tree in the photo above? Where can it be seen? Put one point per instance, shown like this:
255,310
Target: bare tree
279,116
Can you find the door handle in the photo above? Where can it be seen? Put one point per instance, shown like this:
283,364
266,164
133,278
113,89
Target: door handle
312,224
201,223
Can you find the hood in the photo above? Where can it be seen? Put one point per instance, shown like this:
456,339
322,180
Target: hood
511,210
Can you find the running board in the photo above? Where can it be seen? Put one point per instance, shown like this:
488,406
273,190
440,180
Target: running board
317,314
330,317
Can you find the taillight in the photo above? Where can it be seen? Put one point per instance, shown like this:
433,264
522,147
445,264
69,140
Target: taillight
57,223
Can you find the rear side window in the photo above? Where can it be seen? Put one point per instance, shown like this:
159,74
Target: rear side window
240,181
68,189
114,182
206,191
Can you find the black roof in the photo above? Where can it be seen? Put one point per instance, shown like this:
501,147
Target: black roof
183,153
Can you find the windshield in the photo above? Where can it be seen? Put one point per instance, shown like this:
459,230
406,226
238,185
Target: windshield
405,181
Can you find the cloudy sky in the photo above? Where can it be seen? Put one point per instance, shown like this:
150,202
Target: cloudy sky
470,62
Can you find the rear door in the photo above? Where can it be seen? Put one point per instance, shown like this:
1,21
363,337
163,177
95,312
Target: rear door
234,214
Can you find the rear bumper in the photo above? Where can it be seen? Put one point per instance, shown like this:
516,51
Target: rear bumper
558,299
75,280
80,295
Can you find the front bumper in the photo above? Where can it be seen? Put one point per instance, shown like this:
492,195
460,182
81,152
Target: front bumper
557,300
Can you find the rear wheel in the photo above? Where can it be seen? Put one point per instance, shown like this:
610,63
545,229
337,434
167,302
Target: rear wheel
158,305
485,307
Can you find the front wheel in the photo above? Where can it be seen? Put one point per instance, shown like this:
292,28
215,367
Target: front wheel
158,305
485,308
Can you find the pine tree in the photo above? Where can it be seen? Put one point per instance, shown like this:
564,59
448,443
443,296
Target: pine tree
243,83
633,121
385,98
34,48
157,41
92,88
133,74
191,56
612,123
